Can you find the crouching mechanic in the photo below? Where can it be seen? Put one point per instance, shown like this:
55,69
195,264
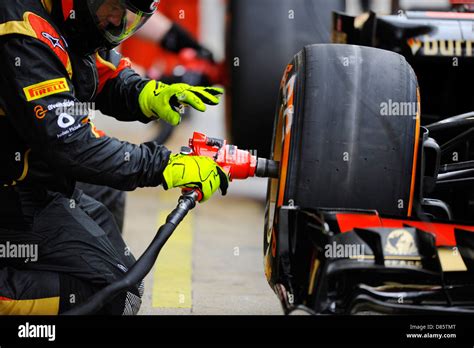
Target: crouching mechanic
59,246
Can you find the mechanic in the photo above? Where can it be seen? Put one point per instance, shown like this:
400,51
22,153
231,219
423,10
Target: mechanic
173,38
55,55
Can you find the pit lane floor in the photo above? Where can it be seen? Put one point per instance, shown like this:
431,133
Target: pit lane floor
213,264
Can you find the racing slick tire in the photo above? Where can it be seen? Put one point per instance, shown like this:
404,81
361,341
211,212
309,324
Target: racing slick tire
349,147
340,140
264,36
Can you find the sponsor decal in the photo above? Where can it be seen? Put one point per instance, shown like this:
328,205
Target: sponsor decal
48,35
64,104
69,112
427,46
415,45
400,249
55,42
40,112
65,120
70,130
45,89
72,107
400,242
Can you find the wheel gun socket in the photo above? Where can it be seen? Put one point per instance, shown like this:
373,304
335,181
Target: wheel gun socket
267,168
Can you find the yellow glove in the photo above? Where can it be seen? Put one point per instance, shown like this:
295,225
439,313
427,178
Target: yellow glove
195,172
159,100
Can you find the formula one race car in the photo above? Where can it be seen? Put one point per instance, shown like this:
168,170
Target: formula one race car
373,211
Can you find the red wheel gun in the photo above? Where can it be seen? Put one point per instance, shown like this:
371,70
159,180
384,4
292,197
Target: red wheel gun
238,164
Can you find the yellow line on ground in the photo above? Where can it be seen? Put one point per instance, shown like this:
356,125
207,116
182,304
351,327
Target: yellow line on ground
172,278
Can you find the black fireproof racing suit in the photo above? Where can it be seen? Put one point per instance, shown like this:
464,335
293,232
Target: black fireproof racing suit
46,145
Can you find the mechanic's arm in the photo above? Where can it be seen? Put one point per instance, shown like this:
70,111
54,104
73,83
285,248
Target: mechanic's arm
119,88
126,96
66,141
40,102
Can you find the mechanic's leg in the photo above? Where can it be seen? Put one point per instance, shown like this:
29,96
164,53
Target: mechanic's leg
24,292
114,200
103,217
71,242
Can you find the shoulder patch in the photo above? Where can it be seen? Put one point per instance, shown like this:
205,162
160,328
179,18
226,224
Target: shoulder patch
46,33
39,28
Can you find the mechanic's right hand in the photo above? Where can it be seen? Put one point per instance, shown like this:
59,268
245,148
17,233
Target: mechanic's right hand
195,172
159,100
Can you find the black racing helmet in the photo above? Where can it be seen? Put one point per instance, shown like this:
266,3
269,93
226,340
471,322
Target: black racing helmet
93,25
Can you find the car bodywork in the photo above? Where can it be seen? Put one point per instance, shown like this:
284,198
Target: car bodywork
342,261
438,45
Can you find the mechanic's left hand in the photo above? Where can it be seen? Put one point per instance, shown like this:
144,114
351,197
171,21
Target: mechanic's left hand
159,100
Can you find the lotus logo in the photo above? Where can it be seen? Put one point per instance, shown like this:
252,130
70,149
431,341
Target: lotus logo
400,242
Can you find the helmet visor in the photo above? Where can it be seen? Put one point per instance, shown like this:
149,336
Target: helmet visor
117,20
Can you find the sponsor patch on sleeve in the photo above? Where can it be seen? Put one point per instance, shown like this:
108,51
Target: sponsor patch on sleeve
45,89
